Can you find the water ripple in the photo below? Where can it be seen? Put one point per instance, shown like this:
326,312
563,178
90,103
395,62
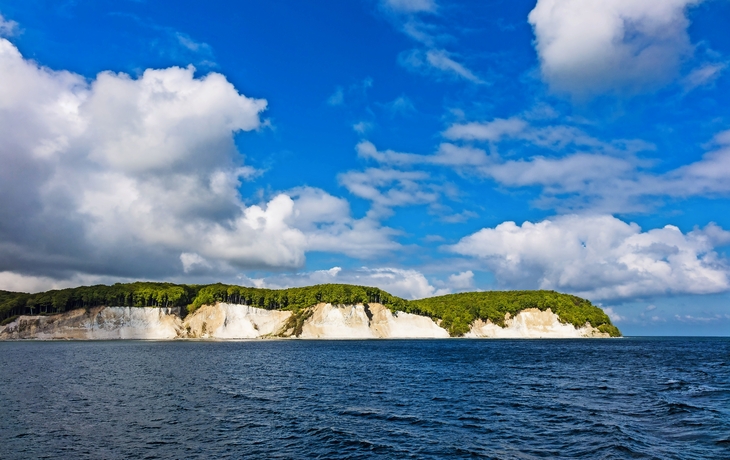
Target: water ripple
510,399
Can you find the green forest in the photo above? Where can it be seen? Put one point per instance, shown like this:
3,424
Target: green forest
456,311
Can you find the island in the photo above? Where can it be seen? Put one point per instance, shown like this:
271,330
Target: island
163,311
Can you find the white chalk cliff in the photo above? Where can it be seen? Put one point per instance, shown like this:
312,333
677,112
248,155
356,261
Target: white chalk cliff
100,323
374,321
228,321
532,323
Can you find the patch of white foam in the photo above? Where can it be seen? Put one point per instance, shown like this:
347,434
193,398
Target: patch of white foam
531,324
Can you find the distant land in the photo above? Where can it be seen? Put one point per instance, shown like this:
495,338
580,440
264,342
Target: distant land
146,310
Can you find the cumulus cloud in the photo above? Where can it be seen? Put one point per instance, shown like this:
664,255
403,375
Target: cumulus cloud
601,257
122,176
600,46
409,284
463,280
327,225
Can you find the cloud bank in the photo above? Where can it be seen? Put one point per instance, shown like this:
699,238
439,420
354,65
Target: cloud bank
123,176
601,257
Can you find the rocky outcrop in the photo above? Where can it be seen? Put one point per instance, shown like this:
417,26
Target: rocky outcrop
322,321
531,323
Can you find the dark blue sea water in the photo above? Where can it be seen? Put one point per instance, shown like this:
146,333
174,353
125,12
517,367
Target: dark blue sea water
507,399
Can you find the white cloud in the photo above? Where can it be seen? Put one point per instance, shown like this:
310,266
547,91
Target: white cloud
388,188
337,98
459,217
463,280
429,58
173,44
708,176
600,257
589,47
576,171
447,155
362,127
440,59
327,225
722,138
351,95
401,105
573,173
615,317
554,137
11,281
703,75
409,284
191,261
410,6
8,28
605,180
436,62
139,177
493,131
197,47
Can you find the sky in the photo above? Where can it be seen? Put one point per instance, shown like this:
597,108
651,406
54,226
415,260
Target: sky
422,146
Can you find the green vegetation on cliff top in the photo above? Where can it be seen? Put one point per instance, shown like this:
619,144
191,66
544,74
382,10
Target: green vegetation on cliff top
456,311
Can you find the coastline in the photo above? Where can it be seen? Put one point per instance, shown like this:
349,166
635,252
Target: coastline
324,321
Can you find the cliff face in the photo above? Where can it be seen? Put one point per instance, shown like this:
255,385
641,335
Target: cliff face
100,323
532,323
228,321
371,322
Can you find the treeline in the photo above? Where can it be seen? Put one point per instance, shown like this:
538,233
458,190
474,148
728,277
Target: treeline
188,297
139,294
455,311
295,298
458,311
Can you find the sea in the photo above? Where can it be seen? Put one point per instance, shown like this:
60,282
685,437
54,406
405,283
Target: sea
628,398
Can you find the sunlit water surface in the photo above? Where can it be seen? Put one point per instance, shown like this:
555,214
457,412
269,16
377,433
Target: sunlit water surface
624,398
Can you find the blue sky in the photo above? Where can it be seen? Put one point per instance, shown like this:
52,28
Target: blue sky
422,146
